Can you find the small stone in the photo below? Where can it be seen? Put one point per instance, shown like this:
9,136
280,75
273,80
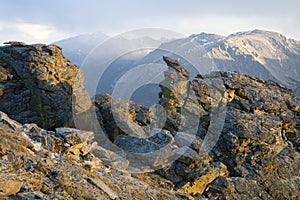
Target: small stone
105,188
9,187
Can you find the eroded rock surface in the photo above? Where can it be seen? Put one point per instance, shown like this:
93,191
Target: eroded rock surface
259,141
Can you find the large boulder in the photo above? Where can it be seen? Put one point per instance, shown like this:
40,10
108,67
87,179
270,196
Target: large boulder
38,84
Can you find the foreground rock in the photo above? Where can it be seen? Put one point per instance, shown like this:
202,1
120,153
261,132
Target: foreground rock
37,85
40,164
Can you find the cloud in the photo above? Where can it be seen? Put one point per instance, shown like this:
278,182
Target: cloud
29,32
211,24
229,24
192,16
37,32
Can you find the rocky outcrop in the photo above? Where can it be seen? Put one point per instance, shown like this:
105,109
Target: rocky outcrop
175,89
254,153
38,84
259,141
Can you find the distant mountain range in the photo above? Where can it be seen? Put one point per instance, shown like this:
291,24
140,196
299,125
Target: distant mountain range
104,60
78,47
263,54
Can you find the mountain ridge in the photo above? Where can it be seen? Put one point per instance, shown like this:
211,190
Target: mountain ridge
264,54
77,47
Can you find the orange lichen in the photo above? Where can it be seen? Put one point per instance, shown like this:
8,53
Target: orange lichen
199,185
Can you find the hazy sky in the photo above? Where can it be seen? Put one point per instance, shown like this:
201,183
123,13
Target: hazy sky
50,20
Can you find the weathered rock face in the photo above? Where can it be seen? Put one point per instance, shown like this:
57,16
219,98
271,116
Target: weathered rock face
37,85
259,142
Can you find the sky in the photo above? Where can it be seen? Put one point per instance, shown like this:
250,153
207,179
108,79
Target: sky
46,21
